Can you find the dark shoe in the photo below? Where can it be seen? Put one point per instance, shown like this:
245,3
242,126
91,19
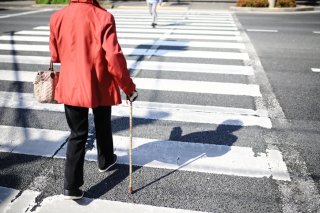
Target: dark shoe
153,25
74,194
111,164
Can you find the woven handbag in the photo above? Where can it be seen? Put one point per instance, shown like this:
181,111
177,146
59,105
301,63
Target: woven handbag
44,85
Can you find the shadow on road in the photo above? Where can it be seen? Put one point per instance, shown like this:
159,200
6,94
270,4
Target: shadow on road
222,133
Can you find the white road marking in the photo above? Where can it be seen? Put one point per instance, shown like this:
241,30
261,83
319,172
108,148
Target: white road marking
225,45
204,87
208,44
191,32
32,32
188,22
198,87
208,32
25,47
168,12
24,38
25,59
262,30
197,157
31,141
177,17
147,65
179,31
191,67
182,37
186,53
177,12
156,111
57,203
10,203
9,75
316,32
24,13
162,23
143,52
6,196
148,35
181,27
315,69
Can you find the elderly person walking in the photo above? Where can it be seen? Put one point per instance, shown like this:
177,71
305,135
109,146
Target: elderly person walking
152,4
83,39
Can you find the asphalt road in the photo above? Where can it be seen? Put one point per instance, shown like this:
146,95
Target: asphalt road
287,57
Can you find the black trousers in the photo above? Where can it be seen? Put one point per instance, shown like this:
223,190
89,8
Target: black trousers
77,118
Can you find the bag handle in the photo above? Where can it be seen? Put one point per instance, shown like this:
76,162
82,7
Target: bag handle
51,66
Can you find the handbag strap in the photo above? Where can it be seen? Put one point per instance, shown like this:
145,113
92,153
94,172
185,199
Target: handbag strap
51,66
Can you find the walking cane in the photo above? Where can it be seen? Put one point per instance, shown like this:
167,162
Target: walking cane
130,151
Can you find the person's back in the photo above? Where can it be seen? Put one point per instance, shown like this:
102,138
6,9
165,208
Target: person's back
83,39
87,47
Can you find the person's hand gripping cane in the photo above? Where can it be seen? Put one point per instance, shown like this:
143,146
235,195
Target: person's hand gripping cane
131,98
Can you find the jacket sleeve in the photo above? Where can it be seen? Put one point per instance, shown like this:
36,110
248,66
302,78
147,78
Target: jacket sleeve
117,64
53,45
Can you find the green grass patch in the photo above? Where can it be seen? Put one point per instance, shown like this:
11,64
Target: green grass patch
52,1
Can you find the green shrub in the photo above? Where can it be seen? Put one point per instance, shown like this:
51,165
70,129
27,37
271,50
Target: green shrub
52,1
285,3
252,3
265,3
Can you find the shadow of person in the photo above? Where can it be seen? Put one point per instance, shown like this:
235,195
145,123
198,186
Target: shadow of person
178,153
223,135
180,150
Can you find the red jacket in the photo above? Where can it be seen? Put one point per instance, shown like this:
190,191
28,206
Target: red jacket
83,39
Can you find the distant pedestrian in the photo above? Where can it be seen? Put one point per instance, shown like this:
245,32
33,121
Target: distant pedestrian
152,5
83,39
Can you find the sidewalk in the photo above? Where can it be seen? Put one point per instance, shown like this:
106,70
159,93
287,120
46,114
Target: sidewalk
136,5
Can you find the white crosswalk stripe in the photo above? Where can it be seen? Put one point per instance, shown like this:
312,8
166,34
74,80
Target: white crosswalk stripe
58,204
153,35
196,23
131,30
200,47
148,65
183,27
143,52
207,158
122,41
139,30
158,111
177,85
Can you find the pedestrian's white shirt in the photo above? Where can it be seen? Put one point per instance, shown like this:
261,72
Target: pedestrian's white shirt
154,1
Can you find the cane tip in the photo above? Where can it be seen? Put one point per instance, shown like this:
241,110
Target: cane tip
130,190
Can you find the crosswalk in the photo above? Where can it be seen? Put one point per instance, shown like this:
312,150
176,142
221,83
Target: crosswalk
190,71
